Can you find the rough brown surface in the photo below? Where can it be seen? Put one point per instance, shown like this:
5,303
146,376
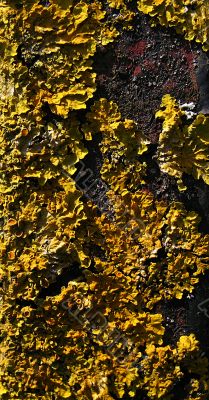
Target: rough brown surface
144,65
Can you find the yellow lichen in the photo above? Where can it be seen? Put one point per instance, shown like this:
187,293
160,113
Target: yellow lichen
57,44
119,135
134,238
121,143
97,334
183,147
190,17
168,364
125,14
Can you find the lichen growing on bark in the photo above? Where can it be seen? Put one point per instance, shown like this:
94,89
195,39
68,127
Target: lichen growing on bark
80,287
190,17
183,147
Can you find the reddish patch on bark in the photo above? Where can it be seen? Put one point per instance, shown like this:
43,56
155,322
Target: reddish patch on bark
137,70
149,65
190,58
138,48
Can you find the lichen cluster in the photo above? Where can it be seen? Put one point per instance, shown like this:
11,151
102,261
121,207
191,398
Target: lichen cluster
98,336
190,17
183,147
142,227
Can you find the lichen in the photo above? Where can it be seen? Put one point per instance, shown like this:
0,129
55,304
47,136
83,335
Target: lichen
167,369
141,227
183,147
49,50
125,14
121,143
95,336
189,17
141,230
79,286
